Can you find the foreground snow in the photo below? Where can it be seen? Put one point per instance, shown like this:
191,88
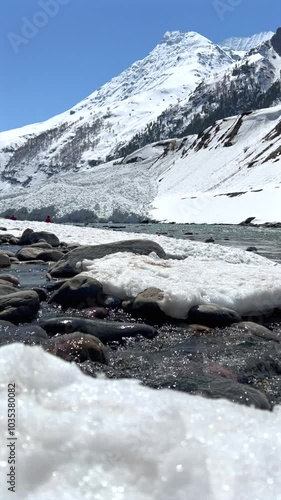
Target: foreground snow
205,273
81,438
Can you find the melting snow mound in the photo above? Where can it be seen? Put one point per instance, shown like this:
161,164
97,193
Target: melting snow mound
229,277
82,438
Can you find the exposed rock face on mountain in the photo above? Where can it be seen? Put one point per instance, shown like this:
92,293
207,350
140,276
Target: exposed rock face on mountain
180,89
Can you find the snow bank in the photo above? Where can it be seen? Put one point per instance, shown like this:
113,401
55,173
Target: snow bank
210,208
81,438
226,278
231,277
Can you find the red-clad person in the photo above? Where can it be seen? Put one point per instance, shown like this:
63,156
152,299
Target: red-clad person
48,219
13,217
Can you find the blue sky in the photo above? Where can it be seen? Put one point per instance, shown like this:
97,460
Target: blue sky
81,44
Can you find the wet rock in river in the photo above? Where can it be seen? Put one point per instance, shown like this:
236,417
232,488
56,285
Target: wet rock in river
79,292
6,287
146,304
78,347
200,329
10,279
212,315
258,330
41,244
41,292
8,239
93,312
4,260
35,253
106,331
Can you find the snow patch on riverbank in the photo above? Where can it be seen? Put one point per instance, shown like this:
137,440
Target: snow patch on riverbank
206,273
82,438
229,279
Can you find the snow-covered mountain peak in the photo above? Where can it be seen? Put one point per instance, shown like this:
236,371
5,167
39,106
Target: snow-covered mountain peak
177,37
245,44
184,78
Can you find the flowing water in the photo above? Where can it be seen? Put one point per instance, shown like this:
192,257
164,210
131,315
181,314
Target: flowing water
266,240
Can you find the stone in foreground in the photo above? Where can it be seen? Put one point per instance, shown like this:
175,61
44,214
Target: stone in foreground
212,315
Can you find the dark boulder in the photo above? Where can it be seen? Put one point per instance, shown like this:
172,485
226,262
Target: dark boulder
257,330
9,239
19,307
41,244
4,260
6,288
106,331
29,237
146,304
34,253
41,292
251,249
71,264
212,315
79,292
78,347
10,279
50,255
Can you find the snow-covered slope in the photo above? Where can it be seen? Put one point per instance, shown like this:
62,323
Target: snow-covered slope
252,82
109,117
227,174
182,87
245,44
101,124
